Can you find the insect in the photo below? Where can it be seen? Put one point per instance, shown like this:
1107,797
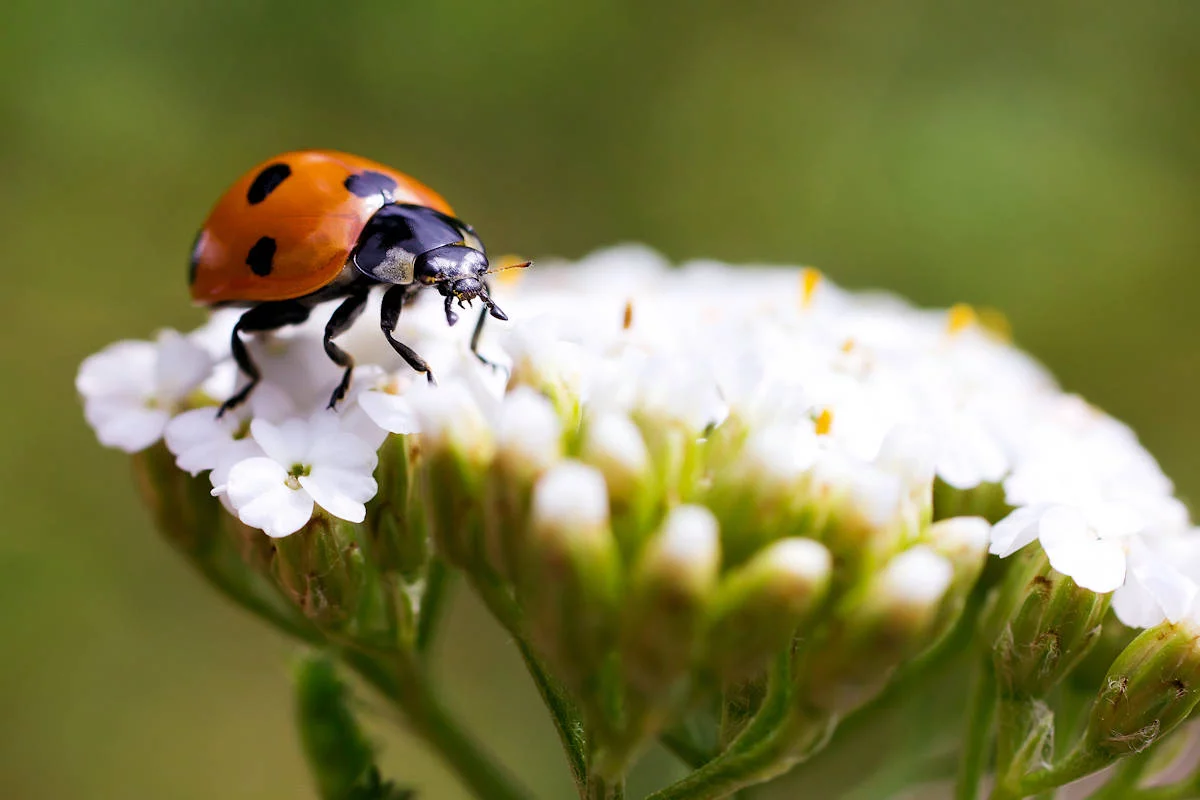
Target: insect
315,225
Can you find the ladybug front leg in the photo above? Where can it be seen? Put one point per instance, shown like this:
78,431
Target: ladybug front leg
393,300
343,317
263,317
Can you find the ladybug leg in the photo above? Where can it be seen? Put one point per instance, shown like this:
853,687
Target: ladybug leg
263,317
393,300
488,310
343,317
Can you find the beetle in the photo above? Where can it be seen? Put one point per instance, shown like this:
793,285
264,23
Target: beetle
310,226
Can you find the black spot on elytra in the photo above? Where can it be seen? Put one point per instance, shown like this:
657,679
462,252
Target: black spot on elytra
266,182
369,184
194,259
260,256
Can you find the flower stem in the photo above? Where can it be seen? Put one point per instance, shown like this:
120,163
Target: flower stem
683,746
563,713
437,584
404,684
980,714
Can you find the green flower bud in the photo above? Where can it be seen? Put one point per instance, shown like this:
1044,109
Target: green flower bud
760,494
1041,625
871,636
322,570
399,535
665,601
758,606
1151,687
456,447
182,506
571,571
529,442
963,541
614,445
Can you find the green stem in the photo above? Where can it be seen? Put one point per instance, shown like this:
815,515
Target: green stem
563,713
685,748
404,684
438,581
980,714
779,736
598,788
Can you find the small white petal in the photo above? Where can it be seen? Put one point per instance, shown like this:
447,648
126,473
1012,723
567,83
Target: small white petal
1016,530
125,426
199,439
180,367
256,487
917,577
570,494
340,492
1074,550
391,412
690,535
288,442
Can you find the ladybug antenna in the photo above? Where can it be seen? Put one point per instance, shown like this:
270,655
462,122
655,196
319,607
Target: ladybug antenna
522,265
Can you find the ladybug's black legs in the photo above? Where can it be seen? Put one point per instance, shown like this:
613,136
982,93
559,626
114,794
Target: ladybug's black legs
343,317
489,310
263,317
393,300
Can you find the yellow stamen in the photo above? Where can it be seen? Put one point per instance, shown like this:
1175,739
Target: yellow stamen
848,346
960,317
824,422
627,320
996,323
810,279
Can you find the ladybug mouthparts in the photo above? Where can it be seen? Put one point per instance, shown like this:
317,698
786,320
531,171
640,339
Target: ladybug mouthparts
464,290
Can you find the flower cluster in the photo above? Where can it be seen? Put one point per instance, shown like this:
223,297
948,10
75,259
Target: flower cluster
683,489
861,393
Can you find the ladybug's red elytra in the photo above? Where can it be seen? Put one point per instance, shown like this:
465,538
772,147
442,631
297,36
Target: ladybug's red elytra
315,225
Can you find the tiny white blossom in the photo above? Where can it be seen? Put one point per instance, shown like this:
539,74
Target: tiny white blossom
130,389
305,462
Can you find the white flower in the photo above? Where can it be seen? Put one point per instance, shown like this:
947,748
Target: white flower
130,389
305,461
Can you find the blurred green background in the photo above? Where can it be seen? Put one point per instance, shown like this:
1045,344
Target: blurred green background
1039,157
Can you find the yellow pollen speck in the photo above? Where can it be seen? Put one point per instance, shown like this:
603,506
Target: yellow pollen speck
810,279
824,422
627,320
996,323
960,317
848,346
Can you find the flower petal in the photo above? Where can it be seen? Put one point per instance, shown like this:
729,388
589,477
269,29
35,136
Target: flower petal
1074,550
389,411
129,427
340,492
287,442
1015,531
257,489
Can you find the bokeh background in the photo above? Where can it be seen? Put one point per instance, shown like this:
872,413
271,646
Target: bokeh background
1039,157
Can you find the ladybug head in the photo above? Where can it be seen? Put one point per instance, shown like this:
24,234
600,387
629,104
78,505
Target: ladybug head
457,272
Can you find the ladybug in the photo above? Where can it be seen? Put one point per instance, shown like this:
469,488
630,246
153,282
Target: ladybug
315,225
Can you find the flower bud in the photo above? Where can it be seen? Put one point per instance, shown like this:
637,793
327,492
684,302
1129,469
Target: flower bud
614,445
1151,687
339,755
528,443
963,541
322,570
872,636
456,447
182,506
1041,624
570,571
665,601
758,606
760,496
395,520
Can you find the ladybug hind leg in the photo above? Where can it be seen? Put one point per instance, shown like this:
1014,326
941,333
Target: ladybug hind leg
262,317
341,320
393,301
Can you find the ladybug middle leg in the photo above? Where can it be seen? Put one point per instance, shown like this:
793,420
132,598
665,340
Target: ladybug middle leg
262,317
393,301
341,320
489,310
